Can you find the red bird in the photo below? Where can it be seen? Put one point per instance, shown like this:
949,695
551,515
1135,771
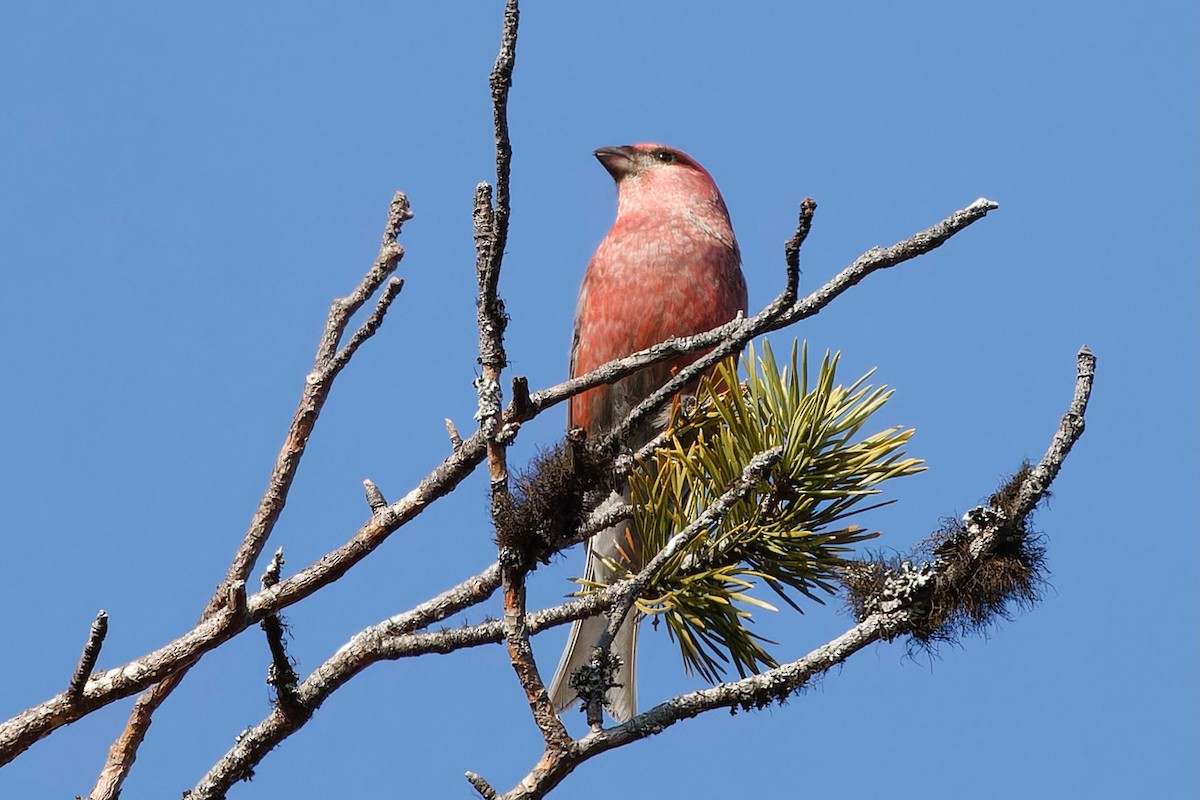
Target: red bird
670,266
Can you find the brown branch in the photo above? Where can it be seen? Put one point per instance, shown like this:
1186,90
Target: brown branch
1069,431
501,82
327,364
452,431
375,499
491,234
123,751
91,652
22,730
791,250
370,325
394,639
492,632
755,691
399,637
480,785
282,673
602,518
878,258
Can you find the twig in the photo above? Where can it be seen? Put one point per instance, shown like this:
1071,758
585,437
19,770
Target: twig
480,785
327,364
375,498
282,674
605,516
370,325
91,652
452,431
878,258
1069,431
791,249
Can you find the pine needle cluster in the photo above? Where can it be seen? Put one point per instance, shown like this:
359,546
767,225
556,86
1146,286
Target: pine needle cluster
789,532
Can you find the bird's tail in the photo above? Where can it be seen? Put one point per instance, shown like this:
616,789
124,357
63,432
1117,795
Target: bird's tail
622,699
612,545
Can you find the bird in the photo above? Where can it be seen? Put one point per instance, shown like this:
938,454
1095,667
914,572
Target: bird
669,267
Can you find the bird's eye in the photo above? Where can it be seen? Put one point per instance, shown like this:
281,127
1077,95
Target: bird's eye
666,156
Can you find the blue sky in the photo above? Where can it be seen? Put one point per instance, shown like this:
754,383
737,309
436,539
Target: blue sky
184,190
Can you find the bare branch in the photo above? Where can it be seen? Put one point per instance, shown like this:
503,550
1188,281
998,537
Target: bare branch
491,234
395,638
1069,431
282,674
390,292
452,431
385,264
501,82
602,518
391,640
22,730
480,785
123,751
91,652
791,250
327,365
878,258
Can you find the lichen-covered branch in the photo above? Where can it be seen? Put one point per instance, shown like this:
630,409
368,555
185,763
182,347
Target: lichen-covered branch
900,606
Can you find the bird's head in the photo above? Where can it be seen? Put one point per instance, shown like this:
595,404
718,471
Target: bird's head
654,175
635,160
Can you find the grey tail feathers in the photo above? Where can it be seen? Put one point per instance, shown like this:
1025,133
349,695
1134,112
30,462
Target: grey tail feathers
622,699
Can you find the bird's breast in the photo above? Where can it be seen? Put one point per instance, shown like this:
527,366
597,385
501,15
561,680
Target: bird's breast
654,278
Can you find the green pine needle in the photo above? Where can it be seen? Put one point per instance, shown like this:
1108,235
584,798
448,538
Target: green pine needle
788,532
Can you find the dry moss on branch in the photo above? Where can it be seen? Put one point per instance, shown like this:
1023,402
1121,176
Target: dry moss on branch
966,576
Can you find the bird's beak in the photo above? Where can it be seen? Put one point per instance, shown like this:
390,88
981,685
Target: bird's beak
619,161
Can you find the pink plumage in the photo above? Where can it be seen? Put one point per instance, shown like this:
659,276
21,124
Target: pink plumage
670,266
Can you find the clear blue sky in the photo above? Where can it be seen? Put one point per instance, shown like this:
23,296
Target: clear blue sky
183,191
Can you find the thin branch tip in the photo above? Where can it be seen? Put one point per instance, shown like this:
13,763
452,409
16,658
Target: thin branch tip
482,786
401,208
274,569
375,497
91,653
235,599
456,440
